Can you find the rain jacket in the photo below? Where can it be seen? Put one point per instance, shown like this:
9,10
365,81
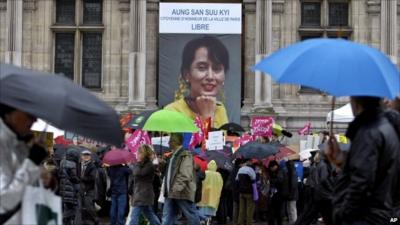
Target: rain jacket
363,191
212,187
16,172
182,178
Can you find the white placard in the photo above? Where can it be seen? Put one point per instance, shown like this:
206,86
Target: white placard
157,141
200,18
316,140
216,140
310,140
303,145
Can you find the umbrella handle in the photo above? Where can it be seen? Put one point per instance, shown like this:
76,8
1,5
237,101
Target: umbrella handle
333,108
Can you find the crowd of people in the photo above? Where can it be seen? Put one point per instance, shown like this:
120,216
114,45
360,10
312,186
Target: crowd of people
360,186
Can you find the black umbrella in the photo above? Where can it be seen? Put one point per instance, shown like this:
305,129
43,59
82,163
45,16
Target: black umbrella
59,151
256,150
222,159
160,149
138,121
232,127
59,101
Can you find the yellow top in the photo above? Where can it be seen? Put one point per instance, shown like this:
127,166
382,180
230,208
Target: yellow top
180,105
212,187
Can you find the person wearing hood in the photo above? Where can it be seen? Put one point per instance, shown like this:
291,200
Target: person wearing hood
70,185
246,180
211,192
20,161
363,191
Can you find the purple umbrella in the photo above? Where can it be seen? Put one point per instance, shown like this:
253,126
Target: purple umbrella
118,157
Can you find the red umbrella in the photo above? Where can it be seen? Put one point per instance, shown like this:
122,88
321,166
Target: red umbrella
118,157
62,141
283,152
200,162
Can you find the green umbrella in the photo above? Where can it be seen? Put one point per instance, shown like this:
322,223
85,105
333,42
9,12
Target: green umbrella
277,129
170,122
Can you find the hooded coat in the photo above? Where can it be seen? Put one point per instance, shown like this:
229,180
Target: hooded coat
16,172
69,179
212,187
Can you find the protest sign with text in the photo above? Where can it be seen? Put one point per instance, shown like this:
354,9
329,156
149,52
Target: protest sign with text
262,126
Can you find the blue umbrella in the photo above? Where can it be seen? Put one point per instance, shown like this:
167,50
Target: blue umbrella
336,66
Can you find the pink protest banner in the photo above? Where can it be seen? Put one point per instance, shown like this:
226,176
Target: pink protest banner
245,138
262,126
138,138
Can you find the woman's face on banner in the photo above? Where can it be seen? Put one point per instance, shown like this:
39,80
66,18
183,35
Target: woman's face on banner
205,77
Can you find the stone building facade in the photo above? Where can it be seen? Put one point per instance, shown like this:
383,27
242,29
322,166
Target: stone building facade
110,46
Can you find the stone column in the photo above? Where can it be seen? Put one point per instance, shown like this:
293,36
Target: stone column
393,29
389,29
263,45
137,54
14,28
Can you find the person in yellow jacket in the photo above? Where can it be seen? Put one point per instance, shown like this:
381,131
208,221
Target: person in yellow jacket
211,193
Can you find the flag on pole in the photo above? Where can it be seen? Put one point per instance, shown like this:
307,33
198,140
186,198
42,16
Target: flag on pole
197,138
207,124
305,130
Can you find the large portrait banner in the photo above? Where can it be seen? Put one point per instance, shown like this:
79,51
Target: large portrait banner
200,60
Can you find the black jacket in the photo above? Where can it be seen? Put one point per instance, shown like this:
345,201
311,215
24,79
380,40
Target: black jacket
233,185
69,178
324,181
290,189
200,176
101,186
364,188
143,191
394,119
119,179
88,178
245,184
